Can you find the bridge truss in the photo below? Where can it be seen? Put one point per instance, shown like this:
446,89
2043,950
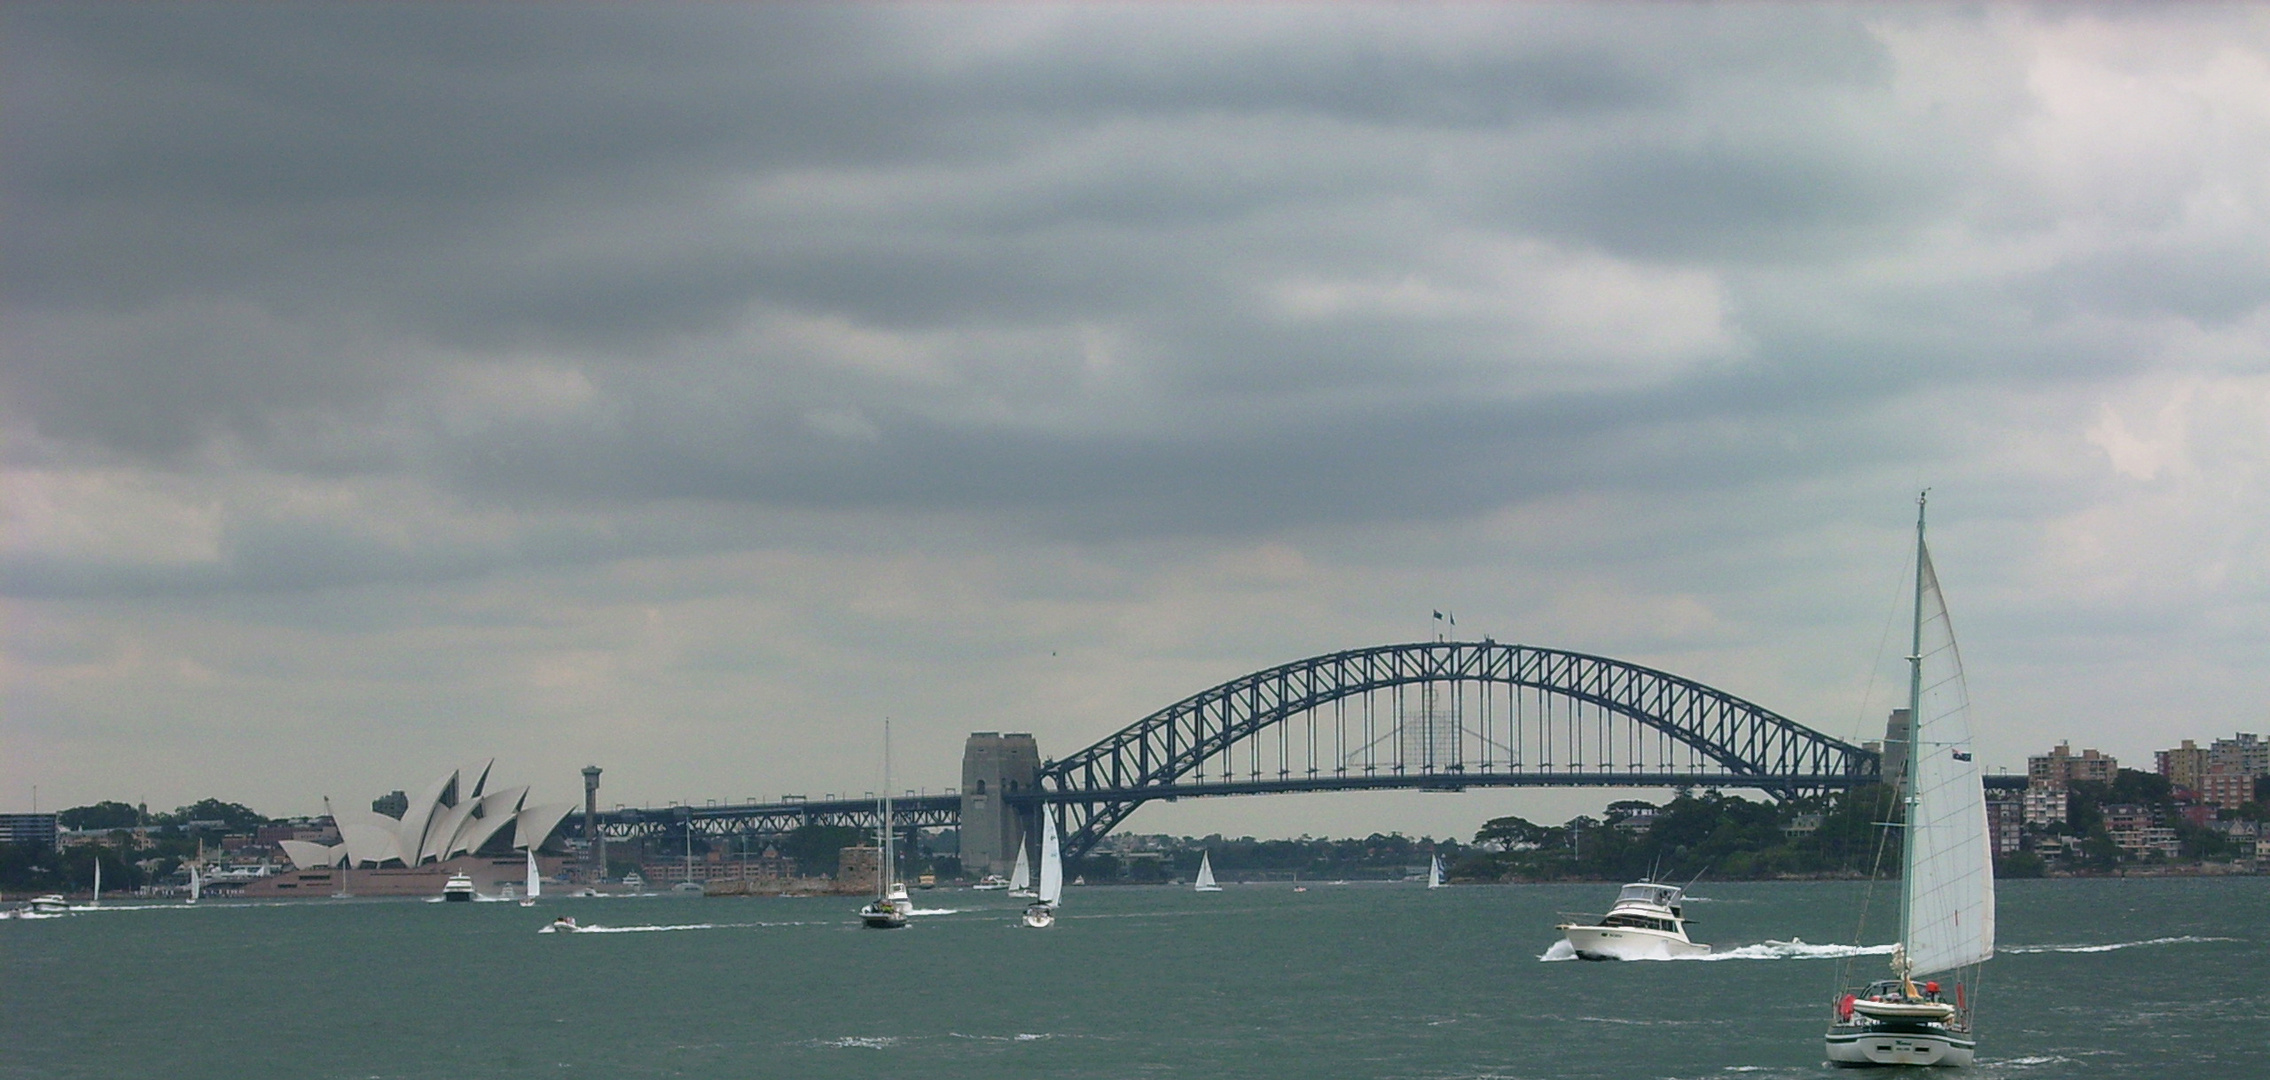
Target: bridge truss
1444,715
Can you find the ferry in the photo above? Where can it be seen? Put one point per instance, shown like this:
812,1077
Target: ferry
458,889
1645,924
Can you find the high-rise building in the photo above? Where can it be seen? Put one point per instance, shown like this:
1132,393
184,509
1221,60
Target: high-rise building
2062,768
2183,766
2005,822
2246,755
2043,804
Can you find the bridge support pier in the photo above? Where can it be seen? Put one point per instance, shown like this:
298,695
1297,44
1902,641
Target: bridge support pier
994,767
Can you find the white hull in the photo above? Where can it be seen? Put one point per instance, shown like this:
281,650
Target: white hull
1628,943
1040,916
1904,1044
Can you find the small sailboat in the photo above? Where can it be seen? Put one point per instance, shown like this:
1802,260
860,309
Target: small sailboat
1947,885
1434,873
1206,873
196,883
98,884
535,881
1021,875
1041,912
890,908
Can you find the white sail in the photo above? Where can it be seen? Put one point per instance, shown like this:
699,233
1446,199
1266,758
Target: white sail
1949,918
535,877
196,883
1020,876
1434,873
98,881
1206,873
1051,863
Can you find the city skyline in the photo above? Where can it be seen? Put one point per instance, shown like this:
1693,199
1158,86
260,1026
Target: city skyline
685,390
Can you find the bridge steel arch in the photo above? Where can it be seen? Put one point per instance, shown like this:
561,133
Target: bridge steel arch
1487,714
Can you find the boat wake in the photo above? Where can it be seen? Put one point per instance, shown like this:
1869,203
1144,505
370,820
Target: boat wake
2187,939
936,911
555,928
1771,950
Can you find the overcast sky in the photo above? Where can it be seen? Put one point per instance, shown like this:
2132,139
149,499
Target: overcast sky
685,389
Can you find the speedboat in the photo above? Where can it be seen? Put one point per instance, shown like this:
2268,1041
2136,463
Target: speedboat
1645,924
565,924
991,882
51,904
458,889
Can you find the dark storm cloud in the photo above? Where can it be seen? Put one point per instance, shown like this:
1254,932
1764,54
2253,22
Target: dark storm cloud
281,231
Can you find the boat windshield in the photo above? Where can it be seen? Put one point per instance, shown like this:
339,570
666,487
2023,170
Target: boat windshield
1644,893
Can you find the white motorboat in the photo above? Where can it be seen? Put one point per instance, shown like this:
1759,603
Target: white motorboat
565,924
890,908
1646,923
1947,883
1041,913
1206,873
458,889
991,883
51,904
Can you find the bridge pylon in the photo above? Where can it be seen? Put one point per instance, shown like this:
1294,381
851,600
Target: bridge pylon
999,774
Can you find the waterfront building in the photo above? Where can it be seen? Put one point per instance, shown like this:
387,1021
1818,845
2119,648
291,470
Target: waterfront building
2043,804
2005,822
454,816
2062,768
30,830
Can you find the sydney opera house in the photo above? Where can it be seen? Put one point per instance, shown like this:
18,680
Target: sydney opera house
455,825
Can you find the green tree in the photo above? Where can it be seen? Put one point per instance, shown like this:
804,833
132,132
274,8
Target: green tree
102,815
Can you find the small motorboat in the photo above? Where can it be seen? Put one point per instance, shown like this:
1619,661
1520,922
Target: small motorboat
1645,924
458,889
991,883
565,924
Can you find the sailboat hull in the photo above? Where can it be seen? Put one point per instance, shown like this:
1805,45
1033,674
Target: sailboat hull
1898,1044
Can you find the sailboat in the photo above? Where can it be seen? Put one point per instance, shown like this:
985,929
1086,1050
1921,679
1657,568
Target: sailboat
1947,883
196,883
1206,873
1042,911
890,907
1434,873
535,881
98,884
1021,875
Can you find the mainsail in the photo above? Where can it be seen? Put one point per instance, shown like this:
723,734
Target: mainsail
1949,912
1021,876
1051,864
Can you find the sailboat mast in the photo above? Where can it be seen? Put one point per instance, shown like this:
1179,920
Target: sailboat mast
1914,732
885,875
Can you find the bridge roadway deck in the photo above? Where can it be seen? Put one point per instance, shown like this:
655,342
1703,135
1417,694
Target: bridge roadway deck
945,811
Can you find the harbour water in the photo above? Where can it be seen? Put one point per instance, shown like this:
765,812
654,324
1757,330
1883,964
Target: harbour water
2097,978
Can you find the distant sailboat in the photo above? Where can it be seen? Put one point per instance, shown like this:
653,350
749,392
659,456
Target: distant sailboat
196,883
1042,911
1434,873
535,881
98,883
890,907
1021,875
1206,873
1947,885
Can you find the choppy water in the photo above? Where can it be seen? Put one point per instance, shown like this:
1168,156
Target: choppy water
2163,978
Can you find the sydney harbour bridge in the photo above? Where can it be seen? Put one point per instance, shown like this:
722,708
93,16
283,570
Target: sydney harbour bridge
1437,716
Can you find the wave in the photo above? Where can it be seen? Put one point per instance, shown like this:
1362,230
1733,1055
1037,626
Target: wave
1796,949
2186,939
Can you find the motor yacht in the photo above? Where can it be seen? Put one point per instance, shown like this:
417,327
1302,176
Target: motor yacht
1645,924
458,889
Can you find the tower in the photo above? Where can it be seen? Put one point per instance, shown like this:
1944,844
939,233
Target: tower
597,851
995,767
